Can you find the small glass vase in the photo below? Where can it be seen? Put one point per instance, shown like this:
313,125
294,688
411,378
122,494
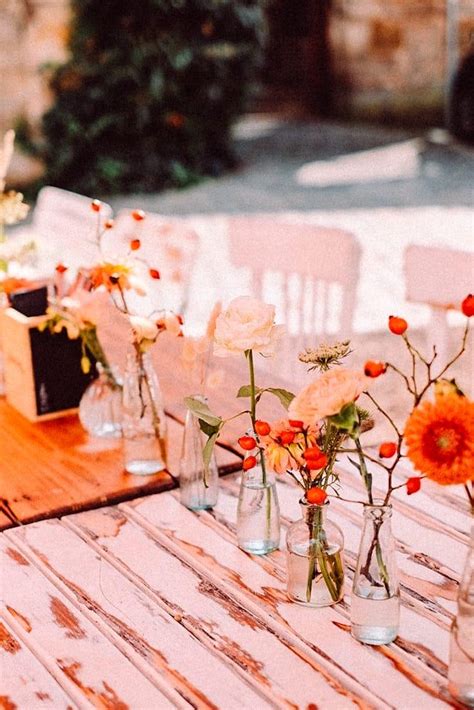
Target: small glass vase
100,408
258,512
461,651
198,486
375,600
144,422
315,558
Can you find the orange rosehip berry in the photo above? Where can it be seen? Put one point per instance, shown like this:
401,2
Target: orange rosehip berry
413,485
316,496
96,205
109,223
296,423
313,452
154,273
247,443
180,319
60,268
374,369
249,462
287,437
135,244
387,450
317,463
138,215
397,325
262,428
467,306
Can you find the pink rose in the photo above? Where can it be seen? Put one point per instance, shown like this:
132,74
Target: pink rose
246,324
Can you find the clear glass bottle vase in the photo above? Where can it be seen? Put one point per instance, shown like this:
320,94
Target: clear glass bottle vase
258,512
100,408
315,571
375,600
144,422
198,485
461,650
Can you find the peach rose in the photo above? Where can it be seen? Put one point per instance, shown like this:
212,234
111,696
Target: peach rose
327,395
246,324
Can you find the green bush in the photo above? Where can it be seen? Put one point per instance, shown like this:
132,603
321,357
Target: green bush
149,93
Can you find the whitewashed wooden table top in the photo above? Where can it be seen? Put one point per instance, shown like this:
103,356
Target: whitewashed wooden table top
147,605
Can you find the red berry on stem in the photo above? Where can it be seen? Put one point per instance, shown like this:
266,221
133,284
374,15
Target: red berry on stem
109,223
96,205
262,428
313,452
467,306
247,443
316,464
249,463
135,244
387,450
316,496
287,437
60,268
138,215
374,369
154,273
296,423
413,485
397,325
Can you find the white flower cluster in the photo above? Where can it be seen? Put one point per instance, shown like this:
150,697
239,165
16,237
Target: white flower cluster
12,207
325,355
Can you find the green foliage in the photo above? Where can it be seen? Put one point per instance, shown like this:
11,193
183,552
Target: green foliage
149,93
283,395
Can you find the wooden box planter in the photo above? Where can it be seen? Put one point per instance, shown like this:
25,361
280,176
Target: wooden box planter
43,376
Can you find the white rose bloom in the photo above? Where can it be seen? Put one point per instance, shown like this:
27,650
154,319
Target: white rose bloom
247,324
143,328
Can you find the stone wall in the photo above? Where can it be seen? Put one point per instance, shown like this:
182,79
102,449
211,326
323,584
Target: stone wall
32,33
389,56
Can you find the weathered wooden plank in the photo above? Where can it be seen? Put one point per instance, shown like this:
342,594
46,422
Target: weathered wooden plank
68,645
25,683
127,616
287,675
257,583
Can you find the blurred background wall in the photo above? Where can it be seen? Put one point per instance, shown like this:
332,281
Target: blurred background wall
365,59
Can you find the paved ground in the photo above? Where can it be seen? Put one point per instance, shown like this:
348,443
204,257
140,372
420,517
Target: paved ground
271,151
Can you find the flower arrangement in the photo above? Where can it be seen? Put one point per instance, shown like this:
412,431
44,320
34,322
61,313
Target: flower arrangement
247,326
12,210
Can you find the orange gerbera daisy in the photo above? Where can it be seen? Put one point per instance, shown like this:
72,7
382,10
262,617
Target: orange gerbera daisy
440,439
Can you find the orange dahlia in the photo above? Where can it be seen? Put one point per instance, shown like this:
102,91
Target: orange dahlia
440,439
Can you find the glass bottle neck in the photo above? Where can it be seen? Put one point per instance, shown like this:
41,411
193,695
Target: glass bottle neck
311,512
377,513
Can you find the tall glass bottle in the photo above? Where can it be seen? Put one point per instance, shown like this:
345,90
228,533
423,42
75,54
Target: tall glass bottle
315,558
461,651
258,512
198,485
375,601
144,422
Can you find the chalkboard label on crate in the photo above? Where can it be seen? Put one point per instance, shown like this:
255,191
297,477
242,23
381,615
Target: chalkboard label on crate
58,378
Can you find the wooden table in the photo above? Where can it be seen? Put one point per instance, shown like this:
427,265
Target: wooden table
147,605
52,468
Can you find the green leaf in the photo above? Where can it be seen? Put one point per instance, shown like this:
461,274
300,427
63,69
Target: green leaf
347,419
284,396
208,449
202,411
208,429
245,391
